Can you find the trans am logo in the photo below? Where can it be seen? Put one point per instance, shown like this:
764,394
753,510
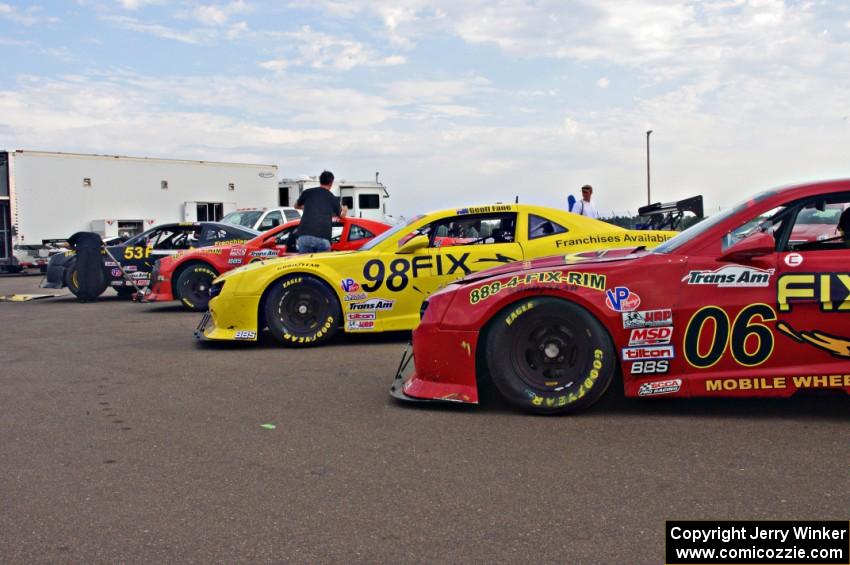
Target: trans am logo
373,304
731,276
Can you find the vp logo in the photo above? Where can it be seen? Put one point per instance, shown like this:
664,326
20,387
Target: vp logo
621,299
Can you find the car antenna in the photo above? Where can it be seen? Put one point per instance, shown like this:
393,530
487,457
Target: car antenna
516,199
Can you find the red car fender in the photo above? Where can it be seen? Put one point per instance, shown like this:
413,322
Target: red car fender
448,339
463,314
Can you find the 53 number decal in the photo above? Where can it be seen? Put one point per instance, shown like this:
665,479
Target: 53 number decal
137,252
748,338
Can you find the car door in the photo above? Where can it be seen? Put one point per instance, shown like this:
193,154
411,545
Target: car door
140,256
813,295
355,236
465,244
216,234
397,281
544,235
723,335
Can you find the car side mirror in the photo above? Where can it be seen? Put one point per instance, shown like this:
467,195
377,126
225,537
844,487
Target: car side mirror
757,245
413,244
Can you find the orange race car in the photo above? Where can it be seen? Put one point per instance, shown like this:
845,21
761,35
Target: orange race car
187,276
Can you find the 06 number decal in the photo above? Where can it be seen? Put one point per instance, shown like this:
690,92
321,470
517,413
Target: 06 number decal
748,338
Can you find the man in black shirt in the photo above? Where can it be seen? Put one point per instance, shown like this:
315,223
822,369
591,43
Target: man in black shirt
319,207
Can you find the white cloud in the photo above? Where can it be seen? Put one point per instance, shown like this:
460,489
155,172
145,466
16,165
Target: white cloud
320,50
193,37
274,65
451,111
741,95
136,4
29,17
237,30
219,14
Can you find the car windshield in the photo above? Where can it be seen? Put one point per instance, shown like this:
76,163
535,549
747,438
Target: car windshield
389,233
698,229
245,218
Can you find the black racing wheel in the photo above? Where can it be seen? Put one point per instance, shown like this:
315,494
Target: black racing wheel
193,284
549,356
72,280
301,311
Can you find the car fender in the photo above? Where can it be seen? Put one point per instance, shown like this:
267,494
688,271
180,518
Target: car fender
183,264
465,311
282,272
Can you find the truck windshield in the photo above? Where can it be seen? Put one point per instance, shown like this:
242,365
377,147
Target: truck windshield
245,218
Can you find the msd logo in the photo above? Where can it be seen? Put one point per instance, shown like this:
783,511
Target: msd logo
651,336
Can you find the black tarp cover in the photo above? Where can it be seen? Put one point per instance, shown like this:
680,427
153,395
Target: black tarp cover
90,267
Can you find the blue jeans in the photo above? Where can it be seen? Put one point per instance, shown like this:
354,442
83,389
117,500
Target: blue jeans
310,244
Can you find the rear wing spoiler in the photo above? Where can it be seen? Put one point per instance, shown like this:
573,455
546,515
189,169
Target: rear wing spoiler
669,215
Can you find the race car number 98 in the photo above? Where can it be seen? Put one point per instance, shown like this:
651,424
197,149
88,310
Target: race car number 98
375,272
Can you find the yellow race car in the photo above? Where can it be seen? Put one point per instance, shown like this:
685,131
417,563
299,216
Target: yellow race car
305,299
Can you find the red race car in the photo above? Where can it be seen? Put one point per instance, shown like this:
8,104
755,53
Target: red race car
187,276
750,302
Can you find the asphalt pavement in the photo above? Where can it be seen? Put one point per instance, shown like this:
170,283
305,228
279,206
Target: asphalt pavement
122,440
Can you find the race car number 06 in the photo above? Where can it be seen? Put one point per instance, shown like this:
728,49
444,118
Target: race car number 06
734,336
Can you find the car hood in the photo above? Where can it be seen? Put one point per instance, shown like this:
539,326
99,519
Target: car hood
555,261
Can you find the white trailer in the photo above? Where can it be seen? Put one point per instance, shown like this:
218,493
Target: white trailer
365,199
48,196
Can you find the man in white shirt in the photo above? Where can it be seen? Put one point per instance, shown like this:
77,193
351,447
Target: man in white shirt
585,207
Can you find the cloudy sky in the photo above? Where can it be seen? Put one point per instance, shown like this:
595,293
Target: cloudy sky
453,101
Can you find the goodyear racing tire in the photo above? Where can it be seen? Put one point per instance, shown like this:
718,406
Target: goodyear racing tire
73,284
301,311
192,288
549,356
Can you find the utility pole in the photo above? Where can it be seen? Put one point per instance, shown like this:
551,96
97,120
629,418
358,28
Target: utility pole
648,197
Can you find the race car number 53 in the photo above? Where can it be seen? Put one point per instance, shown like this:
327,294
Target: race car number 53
137,252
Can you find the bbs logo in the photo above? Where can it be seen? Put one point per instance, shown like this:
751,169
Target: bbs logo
245,334
651,367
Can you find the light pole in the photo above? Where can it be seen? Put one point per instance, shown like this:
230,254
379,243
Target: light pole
648,198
